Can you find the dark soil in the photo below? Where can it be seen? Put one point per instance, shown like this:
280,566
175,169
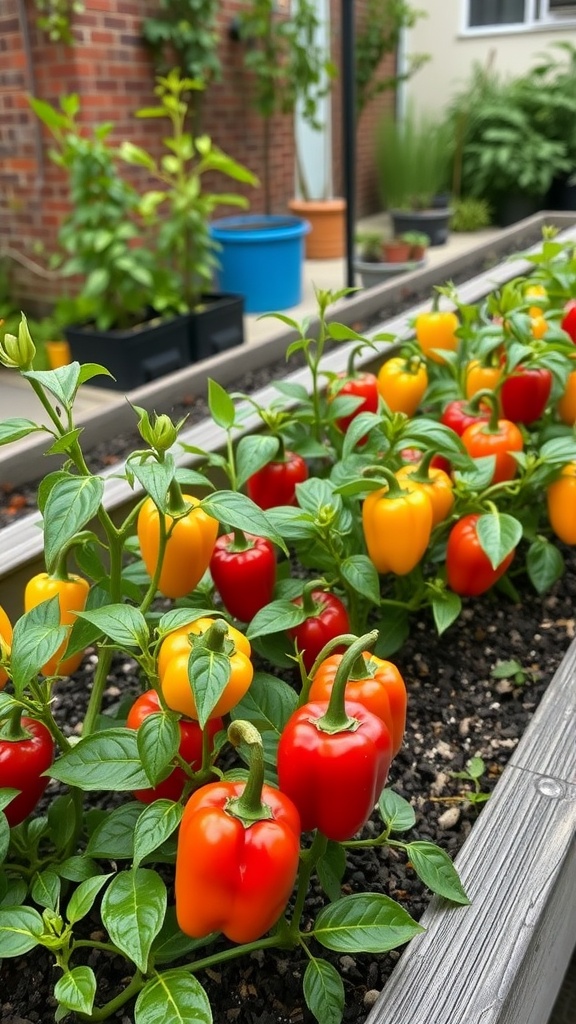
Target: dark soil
457,709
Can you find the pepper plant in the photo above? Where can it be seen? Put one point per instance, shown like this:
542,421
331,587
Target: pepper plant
379,532
201,771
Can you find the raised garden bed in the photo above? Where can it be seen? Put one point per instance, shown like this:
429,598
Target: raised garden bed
502,959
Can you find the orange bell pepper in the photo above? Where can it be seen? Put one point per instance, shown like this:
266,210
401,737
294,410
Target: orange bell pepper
561,503
373,682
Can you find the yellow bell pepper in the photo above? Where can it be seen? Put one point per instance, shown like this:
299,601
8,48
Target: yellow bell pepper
397,523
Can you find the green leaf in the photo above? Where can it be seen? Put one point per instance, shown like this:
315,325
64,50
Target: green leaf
78,868
107,760
14,892
209,674
359,572
76,989
61,821
20,930
155,478
476,765
158,741
123,624
241,513
46,889
331,868
178,617
70,506
5,830
364,923
113,838
396,813
174,997
268,703
82,899
558,451
37,636
446,608
62,383
481,476
544,564
323,991
274,617
498,534
252,453
157,821
222,408
434,867
133,909
16,428
392,632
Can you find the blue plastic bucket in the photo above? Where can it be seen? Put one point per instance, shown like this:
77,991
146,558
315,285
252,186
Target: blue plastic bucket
261,257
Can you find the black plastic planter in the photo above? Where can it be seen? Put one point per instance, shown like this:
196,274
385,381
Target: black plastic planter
216,325
434,222
134,356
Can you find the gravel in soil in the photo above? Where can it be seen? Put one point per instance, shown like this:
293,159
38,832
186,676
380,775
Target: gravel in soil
457,709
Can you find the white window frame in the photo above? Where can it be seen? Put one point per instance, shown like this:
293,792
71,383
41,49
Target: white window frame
537,16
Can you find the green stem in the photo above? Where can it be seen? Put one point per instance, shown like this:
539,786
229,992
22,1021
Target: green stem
309,860
249,807
231,954
12,729
335,719
231,467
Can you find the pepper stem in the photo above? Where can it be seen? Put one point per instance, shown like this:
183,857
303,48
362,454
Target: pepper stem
335,719
249,807
13,731
215,637
394,490
309,605
487,397
421,475
177,506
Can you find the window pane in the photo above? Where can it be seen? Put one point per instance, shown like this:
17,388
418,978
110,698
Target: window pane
496,12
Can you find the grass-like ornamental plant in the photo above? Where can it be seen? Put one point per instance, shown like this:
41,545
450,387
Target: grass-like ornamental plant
244,730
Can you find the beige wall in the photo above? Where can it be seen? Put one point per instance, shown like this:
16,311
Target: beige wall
453,54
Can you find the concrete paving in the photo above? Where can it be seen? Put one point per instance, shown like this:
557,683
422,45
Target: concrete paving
17,398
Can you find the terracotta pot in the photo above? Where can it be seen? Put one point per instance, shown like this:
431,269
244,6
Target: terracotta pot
327,218
396,251
417,252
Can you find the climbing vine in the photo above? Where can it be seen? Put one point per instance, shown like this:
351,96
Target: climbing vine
55,18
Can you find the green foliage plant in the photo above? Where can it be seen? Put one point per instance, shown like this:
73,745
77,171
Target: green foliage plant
513,135
177,213
99,236
183,34
73,859
378,36
470,214
412,160
55,18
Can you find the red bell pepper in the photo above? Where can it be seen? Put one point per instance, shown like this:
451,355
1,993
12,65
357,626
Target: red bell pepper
238,853
568,322
469,570
364,386
189,749
326,618
498,437
525,393
334,757
243,568
26,751
458,415
275,483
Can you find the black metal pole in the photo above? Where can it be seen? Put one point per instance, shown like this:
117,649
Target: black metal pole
349,131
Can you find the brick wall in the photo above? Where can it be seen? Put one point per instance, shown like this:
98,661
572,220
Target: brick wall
111,70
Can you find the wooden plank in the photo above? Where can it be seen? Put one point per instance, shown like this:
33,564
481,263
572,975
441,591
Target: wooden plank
501,960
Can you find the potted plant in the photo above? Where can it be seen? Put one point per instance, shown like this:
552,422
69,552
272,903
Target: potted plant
412,160
506,151
379,256
418,243
133,310
177,214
